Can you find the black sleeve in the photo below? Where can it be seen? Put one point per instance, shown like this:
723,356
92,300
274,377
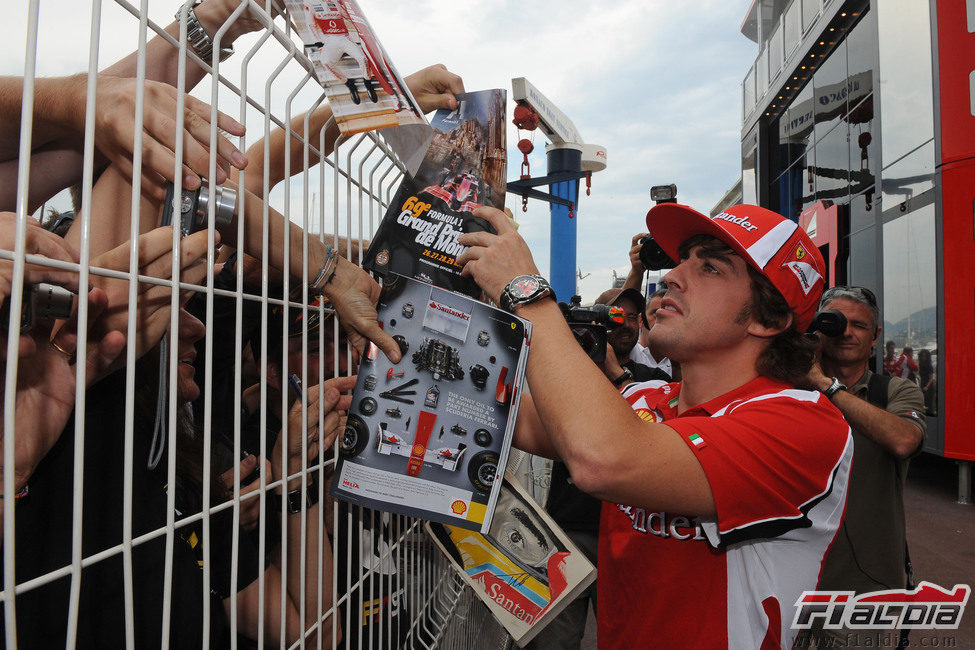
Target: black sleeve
645,373
220,553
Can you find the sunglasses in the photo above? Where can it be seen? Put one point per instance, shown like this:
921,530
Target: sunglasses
835,292
297,325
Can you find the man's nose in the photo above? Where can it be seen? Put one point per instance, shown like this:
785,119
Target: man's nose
673,279
190,327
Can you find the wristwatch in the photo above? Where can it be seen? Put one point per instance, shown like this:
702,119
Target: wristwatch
834,388
626,376
524,290
197,37
294,498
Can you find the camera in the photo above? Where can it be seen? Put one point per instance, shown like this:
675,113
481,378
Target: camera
590,325
195,204
653,257
40,300
829,322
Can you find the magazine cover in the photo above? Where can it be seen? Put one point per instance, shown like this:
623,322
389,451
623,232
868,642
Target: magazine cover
464,168
525,569
428,436
363,88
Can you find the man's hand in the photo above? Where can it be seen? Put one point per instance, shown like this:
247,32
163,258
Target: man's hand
115,132
250,509
38,241
152,308
494,260
635,247
435,87
611,366
46,384
815,379
354,295
318,434
213,13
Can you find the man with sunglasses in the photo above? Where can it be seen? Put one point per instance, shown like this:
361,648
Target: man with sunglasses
722,492
888,428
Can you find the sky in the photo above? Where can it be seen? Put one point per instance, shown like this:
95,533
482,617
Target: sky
656,82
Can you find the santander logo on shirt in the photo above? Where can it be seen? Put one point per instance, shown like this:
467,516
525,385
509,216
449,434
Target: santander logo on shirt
660,524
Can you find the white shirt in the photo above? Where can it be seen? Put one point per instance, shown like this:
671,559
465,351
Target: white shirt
642,355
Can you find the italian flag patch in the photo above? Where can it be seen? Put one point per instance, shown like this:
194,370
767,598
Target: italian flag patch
697,440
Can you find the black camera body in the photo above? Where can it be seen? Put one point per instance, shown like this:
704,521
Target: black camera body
653,257
590,325
829,322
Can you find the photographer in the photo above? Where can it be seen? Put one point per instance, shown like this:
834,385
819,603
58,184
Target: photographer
885,413
620,367
727,501
641,353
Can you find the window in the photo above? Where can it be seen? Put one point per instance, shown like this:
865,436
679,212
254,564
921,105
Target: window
793,28
831,90
775,51
905,78
910,277
810,10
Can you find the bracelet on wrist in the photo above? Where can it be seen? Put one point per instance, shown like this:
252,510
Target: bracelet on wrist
326,272
21,494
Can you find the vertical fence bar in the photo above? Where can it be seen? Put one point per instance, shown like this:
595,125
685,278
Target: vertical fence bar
131,334
13,342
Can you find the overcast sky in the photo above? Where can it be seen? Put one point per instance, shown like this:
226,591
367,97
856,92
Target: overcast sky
656,82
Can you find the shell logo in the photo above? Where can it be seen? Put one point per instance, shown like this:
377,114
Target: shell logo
458,507
648,416
418,450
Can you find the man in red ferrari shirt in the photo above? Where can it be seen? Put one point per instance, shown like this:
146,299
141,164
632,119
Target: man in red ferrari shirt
723,491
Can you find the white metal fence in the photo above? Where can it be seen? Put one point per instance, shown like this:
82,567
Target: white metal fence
108,548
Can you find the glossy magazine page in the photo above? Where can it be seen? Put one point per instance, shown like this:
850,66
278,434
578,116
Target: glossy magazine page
524,568
464,168
429,436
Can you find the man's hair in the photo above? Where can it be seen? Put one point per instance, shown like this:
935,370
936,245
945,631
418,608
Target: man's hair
853,294
789,355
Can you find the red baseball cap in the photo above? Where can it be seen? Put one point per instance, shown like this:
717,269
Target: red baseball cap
775,246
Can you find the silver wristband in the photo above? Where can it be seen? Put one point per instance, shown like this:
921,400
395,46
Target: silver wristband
197,37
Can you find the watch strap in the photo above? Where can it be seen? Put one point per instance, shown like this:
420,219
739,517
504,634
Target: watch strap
626,376
294,498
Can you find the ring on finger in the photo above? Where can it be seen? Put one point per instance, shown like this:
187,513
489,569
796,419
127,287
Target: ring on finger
70,356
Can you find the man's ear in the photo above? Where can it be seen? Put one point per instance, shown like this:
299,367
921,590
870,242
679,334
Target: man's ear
766,332
876,335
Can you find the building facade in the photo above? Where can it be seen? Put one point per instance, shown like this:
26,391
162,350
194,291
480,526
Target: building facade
859,123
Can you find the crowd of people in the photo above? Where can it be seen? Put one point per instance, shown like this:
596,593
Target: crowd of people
170,453
718,455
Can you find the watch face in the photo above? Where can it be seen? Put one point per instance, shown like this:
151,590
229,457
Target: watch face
524,287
